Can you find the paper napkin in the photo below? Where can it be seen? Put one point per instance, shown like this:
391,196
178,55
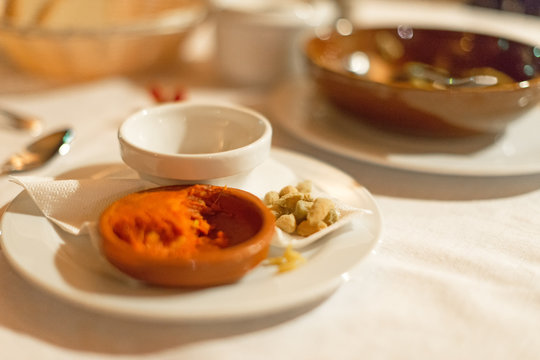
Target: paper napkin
74,205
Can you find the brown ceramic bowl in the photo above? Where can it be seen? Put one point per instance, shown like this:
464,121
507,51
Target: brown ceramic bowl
380,74
172,260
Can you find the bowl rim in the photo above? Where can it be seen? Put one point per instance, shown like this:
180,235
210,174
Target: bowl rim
162,24
514,86
265,137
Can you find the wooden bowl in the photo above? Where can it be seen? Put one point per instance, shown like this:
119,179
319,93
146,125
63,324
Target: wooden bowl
174,261
367,72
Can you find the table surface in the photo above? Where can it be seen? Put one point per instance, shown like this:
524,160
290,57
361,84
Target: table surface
456,274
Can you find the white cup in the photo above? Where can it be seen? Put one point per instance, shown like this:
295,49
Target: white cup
257,40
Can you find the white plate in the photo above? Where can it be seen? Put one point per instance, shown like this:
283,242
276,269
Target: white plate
299,109
69,267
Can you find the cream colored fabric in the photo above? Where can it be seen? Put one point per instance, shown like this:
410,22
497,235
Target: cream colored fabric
455,276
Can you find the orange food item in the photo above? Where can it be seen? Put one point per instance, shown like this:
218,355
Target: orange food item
196,235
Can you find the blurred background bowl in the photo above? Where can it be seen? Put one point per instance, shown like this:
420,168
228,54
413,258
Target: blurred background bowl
405,79
82,39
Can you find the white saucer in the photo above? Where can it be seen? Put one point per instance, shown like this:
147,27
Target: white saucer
299,109
69,267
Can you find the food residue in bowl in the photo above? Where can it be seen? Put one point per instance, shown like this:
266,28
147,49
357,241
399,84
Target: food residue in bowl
165,223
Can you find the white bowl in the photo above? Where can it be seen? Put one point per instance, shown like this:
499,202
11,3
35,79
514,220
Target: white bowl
256,40
194,142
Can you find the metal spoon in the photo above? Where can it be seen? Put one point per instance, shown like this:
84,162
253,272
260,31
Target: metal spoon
39,152
426,72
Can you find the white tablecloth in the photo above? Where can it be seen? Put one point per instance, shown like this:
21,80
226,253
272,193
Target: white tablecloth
455,276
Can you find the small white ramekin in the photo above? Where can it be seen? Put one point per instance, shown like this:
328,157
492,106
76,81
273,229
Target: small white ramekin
191,142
